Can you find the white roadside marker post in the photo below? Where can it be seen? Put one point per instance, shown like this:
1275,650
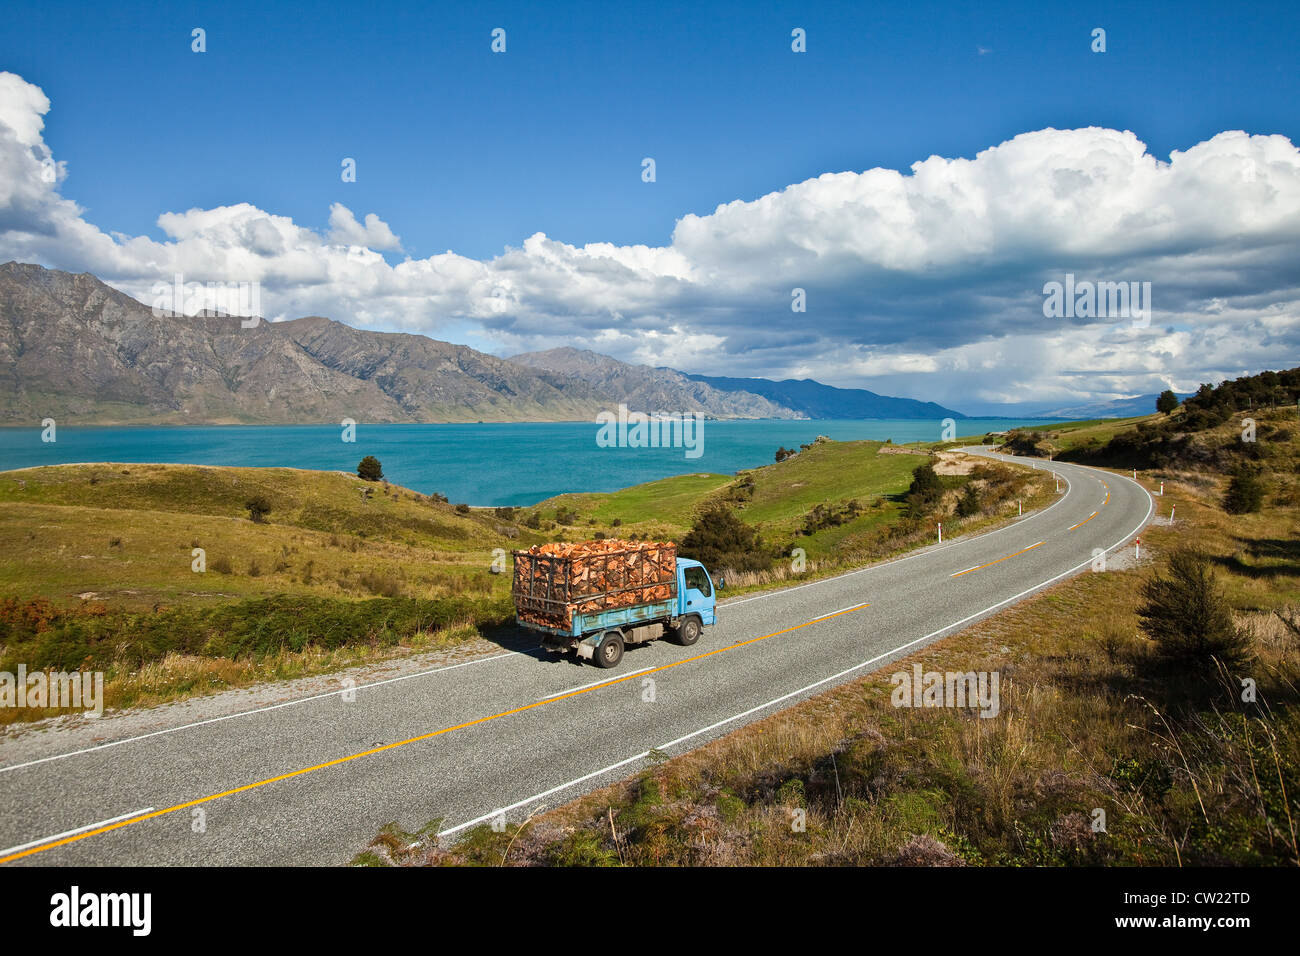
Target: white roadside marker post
1137,549
1172,509
1020,509
1162,489
941,532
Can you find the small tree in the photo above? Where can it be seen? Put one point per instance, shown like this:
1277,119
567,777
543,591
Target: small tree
925,491
720,540
1167,401
370,469
258,508
1245,492
1187,615
969,502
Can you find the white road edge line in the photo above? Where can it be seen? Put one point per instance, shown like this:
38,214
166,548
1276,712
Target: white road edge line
794,693
68,833
249,713
561,693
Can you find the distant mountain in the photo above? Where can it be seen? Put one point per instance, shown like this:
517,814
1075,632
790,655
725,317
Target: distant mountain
78,351
643,388
812,399
75,350
1119,408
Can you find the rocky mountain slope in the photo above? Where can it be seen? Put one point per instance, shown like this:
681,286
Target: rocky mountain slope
78,351
643,388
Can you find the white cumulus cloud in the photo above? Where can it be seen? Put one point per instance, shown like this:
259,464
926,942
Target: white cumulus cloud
926,283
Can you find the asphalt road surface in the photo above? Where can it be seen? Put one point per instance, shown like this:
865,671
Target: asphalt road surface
311,782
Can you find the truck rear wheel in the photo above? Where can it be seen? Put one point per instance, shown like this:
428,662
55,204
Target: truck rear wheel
610,649
688,632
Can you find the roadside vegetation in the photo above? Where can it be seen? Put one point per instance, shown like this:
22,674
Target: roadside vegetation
1149,715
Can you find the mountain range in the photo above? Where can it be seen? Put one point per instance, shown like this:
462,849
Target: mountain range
74,349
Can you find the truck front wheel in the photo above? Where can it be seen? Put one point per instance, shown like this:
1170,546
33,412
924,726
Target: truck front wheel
610,650
688,632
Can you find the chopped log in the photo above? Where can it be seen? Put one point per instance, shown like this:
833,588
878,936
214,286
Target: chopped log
554,581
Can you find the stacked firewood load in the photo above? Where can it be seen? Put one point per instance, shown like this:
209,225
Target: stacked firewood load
555,581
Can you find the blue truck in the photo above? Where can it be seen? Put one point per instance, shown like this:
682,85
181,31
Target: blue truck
596,598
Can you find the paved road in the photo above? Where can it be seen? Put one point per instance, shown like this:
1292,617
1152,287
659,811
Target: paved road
311,783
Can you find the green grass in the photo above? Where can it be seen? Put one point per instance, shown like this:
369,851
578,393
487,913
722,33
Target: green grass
668,501
125,534
1097,431
98,570
831,473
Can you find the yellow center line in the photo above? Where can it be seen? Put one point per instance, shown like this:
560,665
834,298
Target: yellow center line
402,743
969,570
1107,501
1071,528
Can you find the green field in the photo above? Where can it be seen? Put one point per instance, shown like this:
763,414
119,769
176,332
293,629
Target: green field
781,494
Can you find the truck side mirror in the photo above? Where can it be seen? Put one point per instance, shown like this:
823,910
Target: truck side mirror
722,583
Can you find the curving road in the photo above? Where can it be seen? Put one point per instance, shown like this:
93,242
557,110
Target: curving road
312,781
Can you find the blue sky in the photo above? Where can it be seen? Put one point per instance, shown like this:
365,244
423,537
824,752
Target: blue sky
460,149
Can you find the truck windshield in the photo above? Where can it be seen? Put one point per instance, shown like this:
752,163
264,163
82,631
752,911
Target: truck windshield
698,580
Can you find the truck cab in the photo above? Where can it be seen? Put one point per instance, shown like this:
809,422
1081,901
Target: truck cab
695,591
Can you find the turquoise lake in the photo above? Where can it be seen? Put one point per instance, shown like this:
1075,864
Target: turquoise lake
489,464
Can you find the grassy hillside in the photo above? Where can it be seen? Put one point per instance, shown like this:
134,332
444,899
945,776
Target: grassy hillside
98,571
858,486
774,498
1057,440
125,534
1186,770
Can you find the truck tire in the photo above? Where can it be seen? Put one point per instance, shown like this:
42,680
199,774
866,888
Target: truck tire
610,649
688,632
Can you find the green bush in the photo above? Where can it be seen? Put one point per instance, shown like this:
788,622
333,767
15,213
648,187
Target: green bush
925,492
258,508
1187,615
719,540
370,469
1245,492
969,502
